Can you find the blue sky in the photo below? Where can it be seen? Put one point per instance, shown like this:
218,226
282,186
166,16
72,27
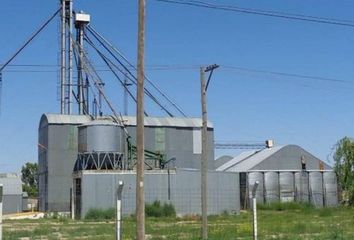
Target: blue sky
243,105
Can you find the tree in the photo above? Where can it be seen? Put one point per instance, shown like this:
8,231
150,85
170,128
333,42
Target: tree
30,179
344,168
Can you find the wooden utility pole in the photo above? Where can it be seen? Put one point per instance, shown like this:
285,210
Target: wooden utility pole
140,200
204,158
205,150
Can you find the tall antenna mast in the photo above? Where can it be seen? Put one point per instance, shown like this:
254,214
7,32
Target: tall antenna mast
81,20
66,56
63,57
70,41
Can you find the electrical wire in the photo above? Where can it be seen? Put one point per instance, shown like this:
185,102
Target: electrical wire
97,35
295,75
23,47
29,40
89,70
195,67
109,63
147,92
132,77
289,16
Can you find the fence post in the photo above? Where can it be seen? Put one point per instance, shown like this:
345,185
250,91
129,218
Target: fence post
254,203
1,197
119,211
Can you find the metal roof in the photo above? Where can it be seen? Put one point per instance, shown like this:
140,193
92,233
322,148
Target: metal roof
255,159
167,122
247,160
100,122
66,119
235,160
128,120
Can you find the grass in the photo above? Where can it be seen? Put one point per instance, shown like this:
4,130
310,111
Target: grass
299,222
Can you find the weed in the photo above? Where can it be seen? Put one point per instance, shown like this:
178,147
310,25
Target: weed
100,214
157,210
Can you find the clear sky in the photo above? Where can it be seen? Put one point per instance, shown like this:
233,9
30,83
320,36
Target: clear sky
243,105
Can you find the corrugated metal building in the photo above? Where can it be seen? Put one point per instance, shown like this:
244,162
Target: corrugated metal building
284,173
176,138
181,187
287,157
12,193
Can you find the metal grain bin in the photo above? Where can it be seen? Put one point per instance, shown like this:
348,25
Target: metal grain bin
101,136
302,187
252,178
271,187
316,188
287,188
330,189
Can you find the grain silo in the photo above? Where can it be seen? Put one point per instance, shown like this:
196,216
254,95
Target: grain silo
288,173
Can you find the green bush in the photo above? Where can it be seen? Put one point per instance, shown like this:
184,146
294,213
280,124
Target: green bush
155,209
281,206
168,210
100,214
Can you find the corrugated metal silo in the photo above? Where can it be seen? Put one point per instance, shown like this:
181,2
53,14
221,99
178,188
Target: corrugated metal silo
101,136
286,183
302,186
330,189
100,146
316,189
271,187
252,178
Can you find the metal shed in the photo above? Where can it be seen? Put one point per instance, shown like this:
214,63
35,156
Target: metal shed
12,192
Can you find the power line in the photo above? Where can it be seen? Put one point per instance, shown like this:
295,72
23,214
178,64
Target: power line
194,67
294,75
111,49
290,16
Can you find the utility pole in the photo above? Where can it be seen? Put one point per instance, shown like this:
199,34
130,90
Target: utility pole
140,199
204,157
204,160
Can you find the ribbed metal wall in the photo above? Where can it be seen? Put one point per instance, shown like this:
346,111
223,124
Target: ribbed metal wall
302,187
101,137
252,178
318,188
271,187
180,187
330,189
287,187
